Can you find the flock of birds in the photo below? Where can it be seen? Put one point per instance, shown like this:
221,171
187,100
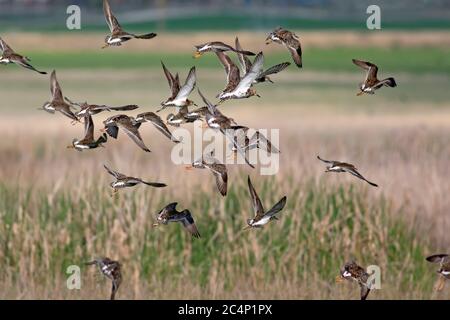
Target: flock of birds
238,86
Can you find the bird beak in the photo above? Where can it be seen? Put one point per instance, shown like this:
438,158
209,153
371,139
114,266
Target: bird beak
246,228
339,279
189,167
155,225
197,55
105,46
360,93
70,147
268,41
102,130
257,95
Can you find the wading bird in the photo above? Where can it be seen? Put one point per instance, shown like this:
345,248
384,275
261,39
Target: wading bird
118,35
110,269
371,83
88,142
262,217
180,94
246,65
128,125
123,181
92,109
157,122
336,166
353,272
238,88
57,103
444,268
218,169
290,40
217,46
9,56
170,214
186,116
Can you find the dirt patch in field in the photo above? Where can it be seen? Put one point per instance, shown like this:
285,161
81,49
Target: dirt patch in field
255,40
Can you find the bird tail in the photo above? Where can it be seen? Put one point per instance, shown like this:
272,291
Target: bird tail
145,36
155,184
391,82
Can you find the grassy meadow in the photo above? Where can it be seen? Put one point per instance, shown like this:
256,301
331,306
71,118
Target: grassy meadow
56,209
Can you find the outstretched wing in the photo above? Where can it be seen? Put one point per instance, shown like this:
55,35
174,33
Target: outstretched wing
55,88
159,124
211,107
354,172
188,86
326,161
233,75
5,48
111,20
277,207
245,62
220,172
436,258
88,128
251,76
189,223
275,69
256,202
371,68
134,134
115,174
174,82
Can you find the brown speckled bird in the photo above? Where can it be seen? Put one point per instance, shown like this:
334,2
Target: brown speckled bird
110,269
9,56
444,268
290,40
88,141
371,83
353,272
118,35
170,214
128,125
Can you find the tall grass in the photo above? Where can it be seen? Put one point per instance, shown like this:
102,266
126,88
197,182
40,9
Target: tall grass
320,228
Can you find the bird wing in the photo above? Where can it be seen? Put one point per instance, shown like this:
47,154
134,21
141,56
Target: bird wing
160,125
111,20
436,258
189,223
231,135
88,128
364,291
371,69
133,132
115,174
275,69
326,161
256,202
232,71
127,107
188,86
220,172
5,48
55,88
352,170
277,207
255,71
174,82
245,62
211,107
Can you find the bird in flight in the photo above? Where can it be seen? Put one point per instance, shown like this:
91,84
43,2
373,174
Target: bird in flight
9,56
262,217
118,35
290,40
337,166
88,142
124,181
371,82
170,214
353,272
110,269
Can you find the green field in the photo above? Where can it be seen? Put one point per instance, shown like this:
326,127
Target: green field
414,60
